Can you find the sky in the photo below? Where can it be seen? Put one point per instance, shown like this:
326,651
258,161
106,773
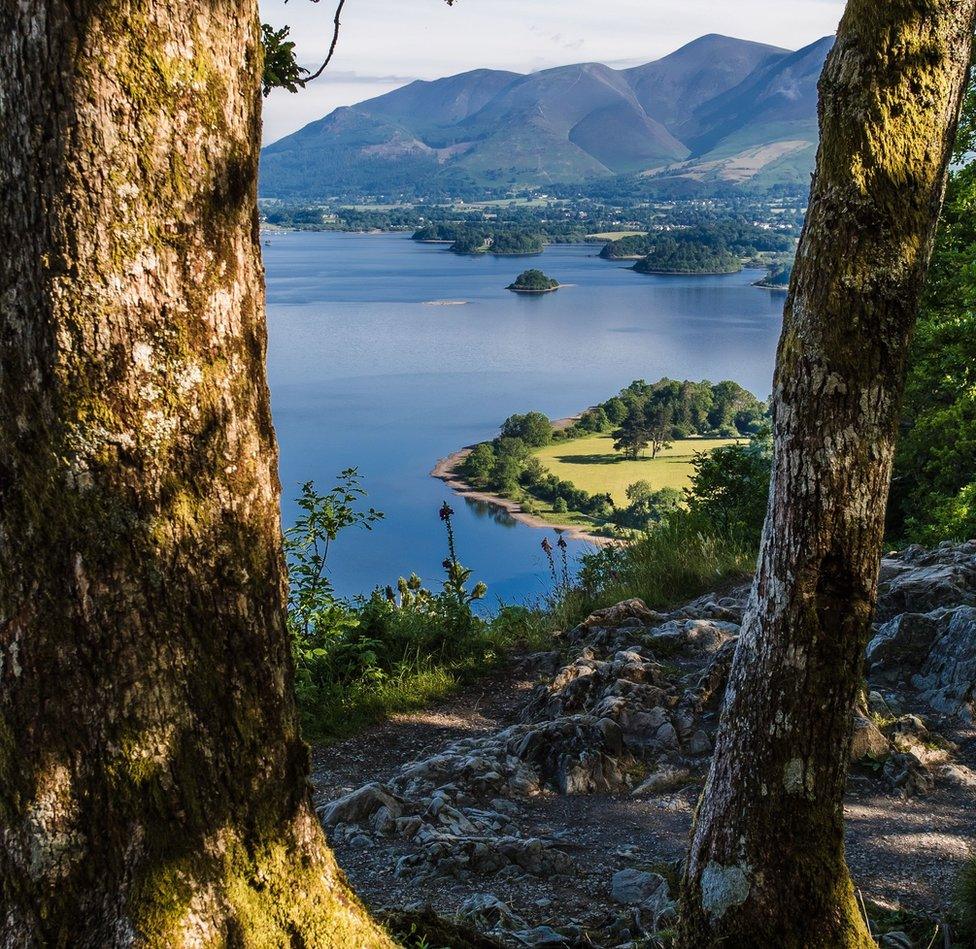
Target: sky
385,44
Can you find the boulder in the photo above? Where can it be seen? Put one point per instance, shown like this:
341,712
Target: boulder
920,580
868,741
361,803
662,781
633,887
486,912
933,653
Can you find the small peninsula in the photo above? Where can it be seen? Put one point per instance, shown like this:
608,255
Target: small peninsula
778,277
533,281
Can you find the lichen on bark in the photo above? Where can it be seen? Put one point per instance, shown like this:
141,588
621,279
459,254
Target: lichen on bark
890,96
153,784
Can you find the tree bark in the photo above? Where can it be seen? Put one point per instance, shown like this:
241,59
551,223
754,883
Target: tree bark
153,782
766,865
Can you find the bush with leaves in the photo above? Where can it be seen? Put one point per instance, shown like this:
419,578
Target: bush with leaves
730,488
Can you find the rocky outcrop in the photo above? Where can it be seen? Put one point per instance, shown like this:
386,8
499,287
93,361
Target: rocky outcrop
629,705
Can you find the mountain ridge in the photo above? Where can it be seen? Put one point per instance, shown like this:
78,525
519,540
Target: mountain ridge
719,110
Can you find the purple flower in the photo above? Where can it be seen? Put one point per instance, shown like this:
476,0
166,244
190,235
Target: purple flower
546,546
446,511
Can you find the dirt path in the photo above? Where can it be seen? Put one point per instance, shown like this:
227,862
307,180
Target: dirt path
903,852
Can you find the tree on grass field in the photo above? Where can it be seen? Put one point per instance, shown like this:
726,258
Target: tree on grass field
153,784
766,865
659,427
634,435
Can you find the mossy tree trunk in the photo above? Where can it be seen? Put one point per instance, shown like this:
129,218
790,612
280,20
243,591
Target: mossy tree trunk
766,866
152,779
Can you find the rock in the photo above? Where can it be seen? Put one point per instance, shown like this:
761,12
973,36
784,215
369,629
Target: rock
634,887
660,782
698,744
541,936
406,827
910,735
958,775
897,940
878,705
920,580
361,803
934,652
485,911
906,774
628,611
868,741
578,754
383,821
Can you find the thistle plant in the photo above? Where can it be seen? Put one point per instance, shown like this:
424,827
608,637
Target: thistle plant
560,578
456,584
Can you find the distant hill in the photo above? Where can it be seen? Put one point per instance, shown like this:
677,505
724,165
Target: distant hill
718,111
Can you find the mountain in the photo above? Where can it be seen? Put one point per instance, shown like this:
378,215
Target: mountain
719,111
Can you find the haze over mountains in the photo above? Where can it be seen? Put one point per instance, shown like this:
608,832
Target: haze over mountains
719,112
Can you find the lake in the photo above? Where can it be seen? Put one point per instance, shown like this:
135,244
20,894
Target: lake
369,369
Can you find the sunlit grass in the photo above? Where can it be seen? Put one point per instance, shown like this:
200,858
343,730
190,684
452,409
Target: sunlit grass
591,464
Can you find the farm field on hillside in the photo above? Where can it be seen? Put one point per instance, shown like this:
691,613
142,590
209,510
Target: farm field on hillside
592,464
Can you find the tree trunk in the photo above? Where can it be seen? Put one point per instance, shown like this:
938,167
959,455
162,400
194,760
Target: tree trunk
152,779
766,866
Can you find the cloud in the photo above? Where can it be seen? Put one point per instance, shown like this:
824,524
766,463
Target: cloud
349,76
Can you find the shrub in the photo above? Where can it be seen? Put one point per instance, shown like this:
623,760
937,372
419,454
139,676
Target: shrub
730,488
397,649
966,900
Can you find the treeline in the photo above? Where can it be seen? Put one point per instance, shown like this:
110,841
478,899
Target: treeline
642,415
506,467
778,275
732,235
682,409
934,487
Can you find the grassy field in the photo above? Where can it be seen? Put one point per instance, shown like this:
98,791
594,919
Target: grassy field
592,464
613,235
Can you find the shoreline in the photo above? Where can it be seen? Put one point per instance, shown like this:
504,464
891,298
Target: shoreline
444,471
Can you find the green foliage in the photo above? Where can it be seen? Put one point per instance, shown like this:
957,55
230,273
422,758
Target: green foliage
731,235
648,507
679,257
534,429
281,71
508,241
966,900
312,605
682,557
934,487
778,275
656,414
477,468
730,488
397,649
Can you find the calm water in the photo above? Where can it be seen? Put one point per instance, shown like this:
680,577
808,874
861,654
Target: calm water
365,373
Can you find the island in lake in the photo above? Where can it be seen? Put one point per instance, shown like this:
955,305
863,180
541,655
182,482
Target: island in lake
714,248
533,281
668,256
514,242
